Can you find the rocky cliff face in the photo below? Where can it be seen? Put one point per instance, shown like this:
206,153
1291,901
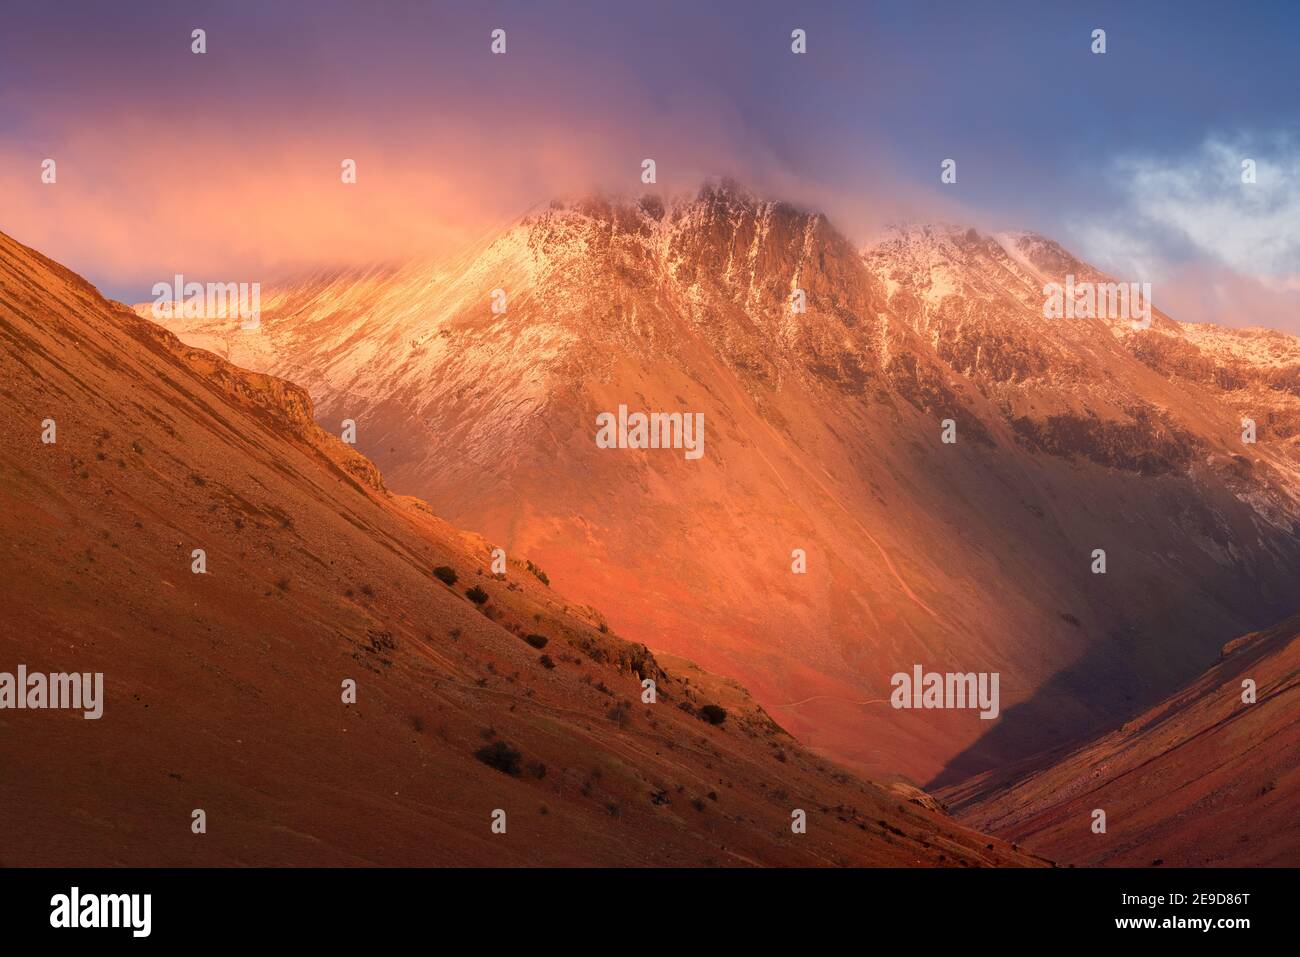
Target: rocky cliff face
823,433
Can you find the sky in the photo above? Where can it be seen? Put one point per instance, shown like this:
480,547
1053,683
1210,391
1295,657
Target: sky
225,166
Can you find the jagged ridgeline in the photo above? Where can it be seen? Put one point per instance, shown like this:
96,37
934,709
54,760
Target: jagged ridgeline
300,666
975,486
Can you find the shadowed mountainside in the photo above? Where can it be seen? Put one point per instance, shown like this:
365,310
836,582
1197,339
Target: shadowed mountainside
1201,779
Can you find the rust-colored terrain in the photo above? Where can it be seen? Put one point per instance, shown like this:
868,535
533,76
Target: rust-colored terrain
1201,779
223,690
823,433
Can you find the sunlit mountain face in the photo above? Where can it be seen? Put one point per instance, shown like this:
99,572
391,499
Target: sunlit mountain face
281,637
1093,532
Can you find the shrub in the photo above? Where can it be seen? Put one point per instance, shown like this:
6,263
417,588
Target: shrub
546,662
477,595
500,756
713,714
541,575
537,641
445,575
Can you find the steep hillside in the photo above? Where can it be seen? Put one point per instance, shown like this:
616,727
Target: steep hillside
1202,779
224,691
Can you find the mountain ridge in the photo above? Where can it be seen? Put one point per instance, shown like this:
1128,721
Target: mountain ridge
824,434
225,689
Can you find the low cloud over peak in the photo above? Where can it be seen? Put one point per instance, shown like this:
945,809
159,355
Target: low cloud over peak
1214,227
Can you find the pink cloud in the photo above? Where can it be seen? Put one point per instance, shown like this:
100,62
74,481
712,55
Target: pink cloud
1206,292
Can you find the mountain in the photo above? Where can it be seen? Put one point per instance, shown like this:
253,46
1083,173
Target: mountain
1201,779
823,432
224,690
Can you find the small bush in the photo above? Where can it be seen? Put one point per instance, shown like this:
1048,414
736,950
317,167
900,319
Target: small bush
537,641
541,575
713,714
445,575
476,594
501,757
619,713
546,662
